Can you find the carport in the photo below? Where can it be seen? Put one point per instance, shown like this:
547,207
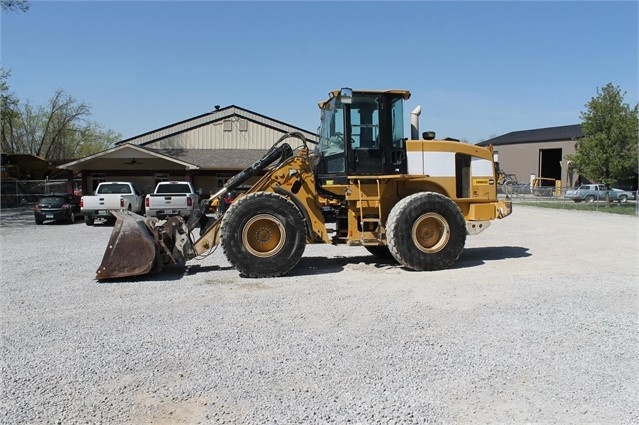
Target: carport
128,162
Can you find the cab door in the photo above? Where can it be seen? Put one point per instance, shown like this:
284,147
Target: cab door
377,137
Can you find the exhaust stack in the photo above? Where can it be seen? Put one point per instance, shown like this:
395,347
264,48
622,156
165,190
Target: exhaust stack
414,123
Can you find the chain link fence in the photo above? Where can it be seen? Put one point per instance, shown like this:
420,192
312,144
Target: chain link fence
555,197
14,193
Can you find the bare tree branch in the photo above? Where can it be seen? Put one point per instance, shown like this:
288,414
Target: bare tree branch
14,5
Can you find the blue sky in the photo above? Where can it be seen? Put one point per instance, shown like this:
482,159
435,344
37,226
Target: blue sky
478,69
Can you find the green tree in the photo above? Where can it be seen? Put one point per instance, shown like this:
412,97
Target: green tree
608,150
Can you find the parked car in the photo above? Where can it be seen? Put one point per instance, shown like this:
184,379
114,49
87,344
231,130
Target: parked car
621,195
58,207
597,192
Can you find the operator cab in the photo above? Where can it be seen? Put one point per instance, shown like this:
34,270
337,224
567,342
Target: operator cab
361,133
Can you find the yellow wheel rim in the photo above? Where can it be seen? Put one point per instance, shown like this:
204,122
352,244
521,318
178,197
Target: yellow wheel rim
263,235
430,233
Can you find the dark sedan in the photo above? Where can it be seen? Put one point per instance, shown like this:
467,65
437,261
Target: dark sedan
57,207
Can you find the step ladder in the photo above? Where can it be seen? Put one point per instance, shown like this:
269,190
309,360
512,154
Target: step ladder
377,237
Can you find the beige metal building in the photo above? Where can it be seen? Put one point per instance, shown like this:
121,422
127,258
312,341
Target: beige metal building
207,150
537,153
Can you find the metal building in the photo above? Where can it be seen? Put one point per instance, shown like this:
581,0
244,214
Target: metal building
541,152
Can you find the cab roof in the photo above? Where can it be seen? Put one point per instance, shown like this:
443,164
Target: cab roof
332,94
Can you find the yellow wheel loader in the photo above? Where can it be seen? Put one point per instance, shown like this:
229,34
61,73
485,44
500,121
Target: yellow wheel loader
363,184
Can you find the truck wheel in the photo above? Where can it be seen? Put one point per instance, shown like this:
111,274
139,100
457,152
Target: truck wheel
88,220
426,231
590,198
71,218
263,234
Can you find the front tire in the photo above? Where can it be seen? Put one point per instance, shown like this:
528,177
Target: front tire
263,234
623,199
426,231
589,198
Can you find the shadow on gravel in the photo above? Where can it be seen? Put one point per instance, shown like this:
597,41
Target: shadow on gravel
23,216
473,257
168,274
15,217
197,268
470,257
310,266
322,265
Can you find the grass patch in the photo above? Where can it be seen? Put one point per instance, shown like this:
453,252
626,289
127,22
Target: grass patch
615,208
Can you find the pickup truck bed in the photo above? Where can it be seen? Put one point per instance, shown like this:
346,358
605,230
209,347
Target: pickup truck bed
171,198
110,196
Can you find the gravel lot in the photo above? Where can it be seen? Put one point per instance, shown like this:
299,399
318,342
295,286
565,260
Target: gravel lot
537,322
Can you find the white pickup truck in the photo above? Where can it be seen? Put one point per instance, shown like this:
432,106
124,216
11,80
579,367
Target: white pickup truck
171,198
111,196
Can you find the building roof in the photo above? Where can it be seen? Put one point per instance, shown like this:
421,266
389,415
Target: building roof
124,151
219,159
211,117
548,134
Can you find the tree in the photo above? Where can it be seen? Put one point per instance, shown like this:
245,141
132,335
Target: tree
59,130
8,105
608,150
14,5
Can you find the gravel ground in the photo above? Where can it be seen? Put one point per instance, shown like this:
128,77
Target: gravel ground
537,322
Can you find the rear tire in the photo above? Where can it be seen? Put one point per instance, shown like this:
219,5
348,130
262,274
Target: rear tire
263,234
39,221
110,221
426,231
88,220
589,198
71,218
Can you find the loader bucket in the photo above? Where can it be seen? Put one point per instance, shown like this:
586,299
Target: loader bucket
131,250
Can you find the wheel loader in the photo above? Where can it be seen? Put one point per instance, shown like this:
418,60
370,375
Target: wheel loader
362,184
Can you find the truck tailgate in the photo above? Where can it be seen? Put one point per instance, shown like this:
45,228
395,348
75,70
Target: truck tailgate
167,201
101,202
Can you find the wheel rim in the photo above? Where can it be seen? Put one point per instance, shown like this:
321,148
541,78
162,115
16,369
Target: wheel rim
430,233
263,235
